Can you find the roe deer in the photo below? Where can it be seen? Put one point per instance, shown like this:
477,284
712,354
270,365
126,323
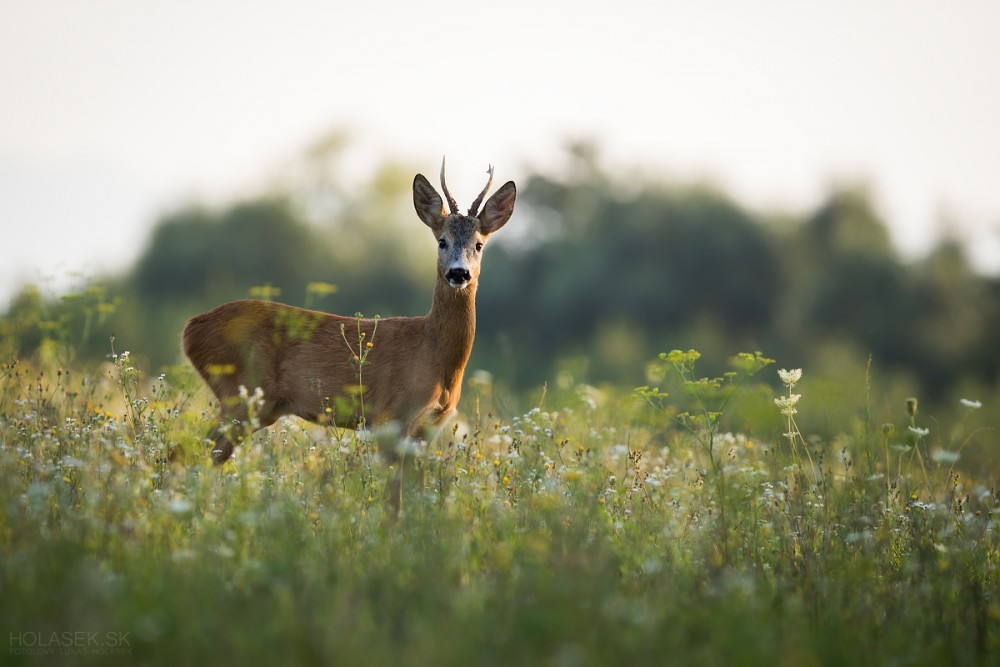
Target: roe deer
301,358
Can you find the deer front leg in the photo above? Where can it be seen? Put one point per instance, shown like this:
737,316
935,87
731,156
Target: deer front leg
221,443
426,425
237,424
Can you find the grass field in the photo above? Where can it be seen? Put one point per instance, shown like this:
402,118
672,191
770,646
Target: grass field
593,528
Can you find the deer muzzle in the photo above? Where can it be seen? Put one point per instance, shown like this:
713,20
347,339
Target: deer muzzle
458,276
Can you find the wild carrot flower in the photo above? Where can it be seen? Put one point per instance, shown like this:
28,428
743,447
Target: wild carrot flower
944,456
790,378
180,506
787,403
972,405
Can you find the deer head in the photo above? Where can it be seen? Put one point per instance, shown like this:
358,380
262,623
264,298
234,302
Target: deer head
461,238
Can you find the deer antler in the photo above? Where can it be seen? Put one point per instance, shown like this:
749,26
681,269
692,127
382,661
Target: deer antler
474,209
452,204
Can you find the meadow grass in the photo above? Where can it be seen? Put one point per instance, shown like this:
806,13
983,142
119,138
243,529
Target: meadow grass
596,528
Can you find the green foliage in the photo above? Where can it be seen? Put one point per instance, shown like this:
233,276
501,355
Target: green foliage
195,253
705,516
657,261
55,330
582,532
708,397
360,358
596,274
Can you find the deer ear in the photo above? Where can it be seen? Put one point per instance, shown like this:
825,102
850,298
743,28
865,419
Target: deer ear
498,209
427,201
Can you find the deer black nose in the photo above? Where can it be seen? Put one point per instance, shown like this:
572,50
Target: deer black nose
458,275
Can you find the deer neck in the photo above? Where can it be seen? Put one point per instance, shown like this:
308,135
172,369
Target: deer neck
452,325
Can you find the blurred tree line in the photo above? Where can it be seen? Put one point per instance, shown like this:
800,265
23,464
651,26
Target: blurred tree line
594,276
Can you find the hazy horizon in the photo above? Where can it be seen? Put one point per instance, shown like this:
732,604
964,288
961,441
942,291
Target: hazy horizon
116,112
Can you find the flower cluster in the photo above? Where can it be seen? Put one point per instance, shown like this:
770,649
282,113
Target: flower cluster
787,403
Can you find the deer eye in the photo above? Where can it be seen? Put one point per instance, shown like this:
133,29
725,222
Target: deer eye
442,244
479,246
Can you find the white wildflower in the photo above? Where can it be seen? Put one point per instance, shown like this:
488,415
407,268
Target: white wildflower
787,403
972,405
408,447
180,506
790,378
224,551
919,431
944,456
481,378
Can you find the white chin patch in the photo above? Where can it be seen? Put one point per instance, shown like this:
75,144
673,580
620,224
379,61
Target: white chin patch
459,285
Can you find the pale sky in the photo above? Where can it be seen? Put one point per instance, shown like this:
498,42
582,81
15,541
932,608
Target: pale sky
114,111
